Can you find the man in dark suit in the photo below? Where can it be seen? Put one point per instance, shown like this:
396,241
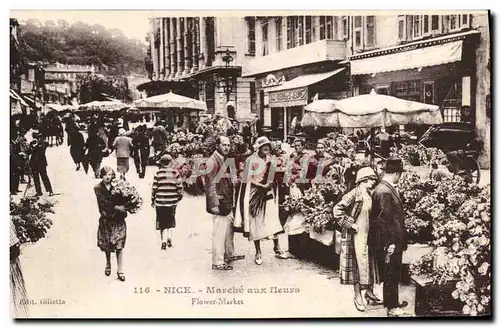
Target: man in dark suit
141,150
38,164
387,234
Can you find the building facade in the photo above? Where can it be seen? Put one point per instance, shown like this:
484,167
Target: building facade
200,57
61,81
295,59
434,59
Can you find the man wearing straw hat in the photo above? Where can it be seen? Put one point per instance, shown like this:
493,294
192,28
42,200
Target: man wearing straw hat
123,146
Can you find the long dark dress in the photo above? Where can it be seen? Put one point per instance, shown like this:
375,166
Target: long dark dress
77,146
95,146
112,230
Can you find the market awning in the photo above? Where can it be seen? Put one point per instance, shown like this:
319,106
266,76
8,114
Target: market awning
16,96
423,57
294,92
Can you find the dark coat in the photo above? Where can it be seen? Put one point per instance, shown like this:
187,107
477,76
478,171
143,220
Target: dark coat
387,220
219,193
95,146
106,203
38,160
77,146
140,147
112,229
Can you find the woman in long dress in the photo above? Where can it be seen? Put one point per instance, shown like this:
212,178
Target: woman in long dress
112,231
77,147
357,264
95,146
259,206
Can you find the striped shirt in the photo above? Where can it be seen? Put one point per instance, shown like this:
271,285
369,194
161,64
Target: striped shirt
167,187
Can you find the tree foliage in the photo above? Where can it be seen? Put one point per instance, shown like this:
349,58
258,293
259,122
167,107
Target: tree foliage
80,43
95,86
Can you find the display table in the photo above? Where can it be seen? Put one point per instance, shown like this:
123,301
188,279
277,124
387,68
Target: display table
435,300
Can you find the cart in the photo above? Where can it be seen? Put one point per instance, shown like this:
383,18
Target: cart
459,142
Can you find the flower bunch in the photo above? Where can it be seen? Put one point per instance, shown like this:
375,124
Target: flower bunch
418,155
464,237
340,146
127,195
174,148
29,217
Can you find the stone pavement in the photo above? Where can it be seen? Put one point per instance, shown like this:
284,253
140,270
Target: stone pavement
67,266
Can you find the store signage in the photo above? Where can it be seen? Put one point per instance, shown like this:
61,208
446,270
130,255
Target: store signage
272,81
285,98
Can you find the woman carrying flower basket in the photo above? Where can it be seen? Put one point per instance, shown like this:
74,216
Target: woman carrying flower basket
112,230
357,264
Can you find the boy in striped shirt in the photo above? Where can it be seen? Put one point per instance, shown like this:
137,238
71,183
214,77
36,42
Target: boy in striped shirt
166,194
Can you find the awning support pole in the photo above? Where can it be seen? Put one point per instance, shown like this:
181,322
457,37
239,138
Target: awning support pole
285,125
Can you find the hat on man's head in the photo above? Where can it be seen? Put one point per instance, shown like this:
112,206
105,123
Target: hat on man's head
393,165
364,174
261,141
122,131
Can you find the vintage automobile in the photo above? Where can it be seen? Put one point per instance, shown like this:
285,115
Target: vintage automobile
461,146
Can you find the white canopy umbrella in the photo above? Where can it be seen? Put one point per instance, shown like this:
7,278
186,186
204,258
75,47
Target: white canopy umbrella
106,105
374,110
171,100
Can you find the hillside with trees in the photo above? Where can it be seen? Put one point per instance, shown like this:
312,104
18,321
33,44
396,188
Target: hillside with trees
80,43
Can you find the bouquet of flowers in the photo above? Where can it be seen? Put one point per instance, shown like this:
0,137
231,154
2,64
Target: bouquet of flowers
30,218
174,148
127,195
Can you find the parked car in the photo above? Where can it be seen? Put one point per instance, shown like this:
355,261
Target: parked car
460,144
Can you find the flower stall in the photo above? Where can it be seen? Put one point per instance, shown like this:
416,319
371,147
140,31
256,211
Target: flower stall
458,266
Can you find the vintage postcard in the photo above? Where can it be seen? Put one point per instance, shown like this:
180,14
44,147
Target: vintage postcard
222,165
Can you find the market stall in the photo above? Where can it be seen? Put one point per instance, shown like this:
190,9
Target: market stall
175,108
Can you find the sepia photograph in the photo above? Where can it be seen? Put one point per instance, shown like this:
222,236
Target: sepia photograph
297,164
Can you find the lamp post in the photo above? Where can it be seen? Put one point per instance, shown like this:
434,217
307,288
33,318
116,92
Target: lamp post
226,81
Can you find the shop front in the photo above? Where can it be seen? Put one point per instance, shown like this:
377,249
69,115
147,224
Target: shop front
285,100
439,71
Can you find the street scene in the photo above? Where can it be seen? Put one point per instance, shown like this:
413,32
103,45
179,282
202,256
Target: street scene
150,168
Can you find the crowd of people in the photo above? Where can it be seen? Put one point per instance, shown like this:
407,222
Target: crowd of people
370,216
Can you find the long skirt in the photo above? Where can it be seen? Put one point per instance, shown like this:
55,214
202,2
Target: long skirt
111,234
122,164
264,220
357,262
18,307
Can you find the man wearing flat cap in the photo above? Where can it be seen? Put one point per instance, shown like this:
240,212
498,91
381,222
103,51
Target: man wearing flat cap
387,234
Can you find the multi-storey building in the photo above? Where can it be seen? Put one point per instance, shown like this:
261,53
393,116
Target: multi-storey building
295,58
53,83
279,64
61,79
200,57
436,59
439,59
